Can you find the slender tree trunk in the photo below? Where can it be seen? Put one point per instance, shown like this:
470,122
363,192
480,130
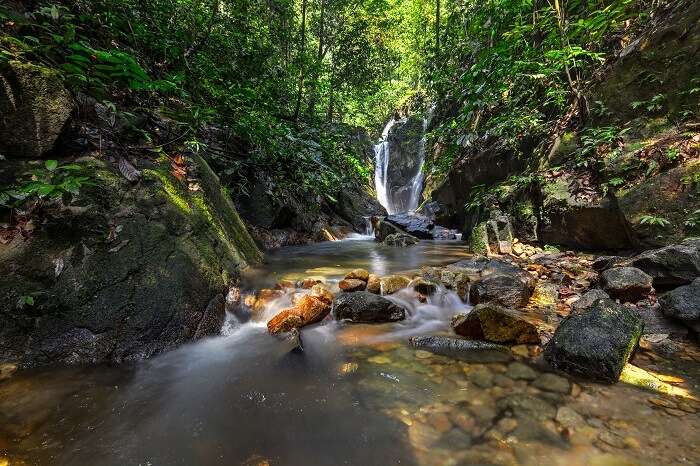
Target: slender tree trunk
437,28
302,52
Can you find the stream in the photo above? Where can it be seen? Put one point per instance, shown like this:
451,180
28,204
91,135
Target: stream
357,395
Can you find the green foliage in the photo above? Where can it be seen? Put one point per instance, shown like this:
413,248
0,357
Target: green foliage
653,105
655,222
51,182
693,221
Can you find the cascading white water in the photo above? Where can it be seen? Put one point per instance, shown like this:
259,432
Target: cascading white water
396,202
381,167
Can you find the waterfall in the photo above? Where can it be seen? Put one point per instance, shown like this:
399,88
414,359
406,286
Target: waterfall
399,181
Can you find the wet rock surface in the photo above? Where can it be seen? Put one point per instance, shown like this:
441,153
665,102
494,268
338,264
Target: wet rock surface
670,266
596,343
400,240
496,324
365,307
463,350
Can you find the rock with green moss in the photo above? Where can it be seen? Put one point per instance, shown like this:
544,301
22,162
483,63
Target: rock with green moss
584,221
34,109
128,272
596,343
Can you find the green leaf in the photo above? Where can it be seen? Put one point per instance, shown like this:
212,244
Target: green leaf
51,165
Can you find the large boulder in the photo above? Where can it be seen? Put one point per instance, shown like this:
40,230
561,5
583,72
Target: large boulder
585,221
366,307
493,236
465,350
415,225
401,240
497,324
587,299
628,284
34,109
496,281
670,266
683,304
128,272
596,343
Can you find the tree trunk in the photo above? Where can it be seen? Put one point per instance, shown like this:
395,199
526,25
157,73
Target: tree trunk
437,28
302,52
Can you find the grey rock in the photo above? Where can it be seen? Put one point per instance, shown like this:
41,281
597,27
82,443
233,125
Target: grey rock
597,343
552,383
627,284
415,225
683,304
400,240
363,306
527,407
520,371
464,350
670,266
587,299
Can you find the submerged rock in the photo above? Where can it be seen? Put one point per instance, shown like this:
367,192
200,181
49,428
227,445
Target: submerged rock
627,284
683,304
497,324
366,307
464,350
596,343
526,406
401,240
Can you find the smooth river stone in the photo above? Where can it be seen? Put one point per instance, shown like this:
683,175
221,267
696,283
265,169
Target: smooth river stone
464,350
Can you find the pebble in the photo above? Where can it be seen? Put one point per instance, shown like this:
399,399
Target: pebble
520,371
553,383
663,403
675,412
379,360
569,418
612,439
463,421
440,422
520,351
507,425
481,377
420,354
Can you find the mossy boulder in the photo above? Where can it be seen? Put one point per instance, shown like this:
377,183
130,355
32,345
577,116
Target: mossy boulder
586,222
596,343
34,109
129,271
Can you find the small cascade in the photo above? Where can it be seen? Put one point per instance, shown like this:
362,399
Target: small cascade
398,174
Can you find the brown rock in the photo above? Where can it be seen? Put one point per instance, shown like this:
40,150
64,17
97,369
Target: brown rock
285,284
284,322
308,283
393,283
374,284
323,293
497,324
352,284
308,310
358,274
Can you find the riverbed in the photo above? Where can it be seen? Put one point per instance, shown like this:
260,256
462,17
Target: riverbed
356,395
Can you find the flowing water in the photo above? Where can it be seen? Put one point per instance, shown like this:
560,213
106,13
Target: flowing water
357,395
399,198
